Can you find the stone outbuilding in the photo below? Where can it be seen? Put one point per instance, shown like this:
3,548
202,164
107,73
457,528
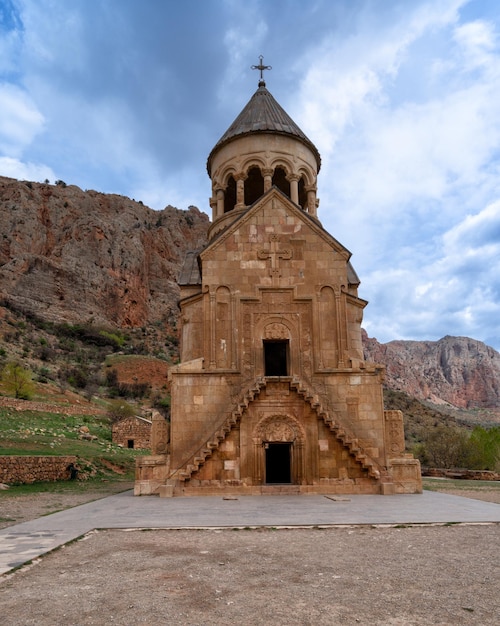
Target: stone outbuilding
132,432
272,393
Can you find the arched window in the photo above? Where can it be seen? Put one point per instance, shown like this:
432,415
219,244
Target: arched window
302,193
254,186
279,179
230,195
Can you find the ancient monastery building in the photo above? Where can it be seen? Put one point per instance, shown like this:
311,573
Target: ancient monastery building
272,394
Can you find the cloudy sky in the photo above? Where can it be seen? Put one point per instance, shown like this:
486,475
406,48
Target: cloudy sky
401,97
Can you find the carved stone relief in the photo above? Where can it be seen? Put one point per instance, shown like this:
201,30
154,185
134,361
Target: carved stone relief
159,434
276,331
394,430
279,428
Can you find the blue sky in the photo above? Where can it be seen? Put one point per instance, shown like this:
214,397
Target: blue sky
401,97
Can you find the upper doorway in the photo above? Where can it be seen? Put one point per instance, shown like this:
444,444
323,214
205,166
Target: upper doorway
276,358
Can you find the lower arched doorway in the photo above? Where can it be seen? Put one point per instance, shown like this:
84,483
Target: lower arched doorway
278,459
279,442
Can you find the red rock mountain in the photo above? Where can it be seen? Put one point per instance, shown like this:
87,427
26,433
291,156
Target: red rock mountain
72,256
457,370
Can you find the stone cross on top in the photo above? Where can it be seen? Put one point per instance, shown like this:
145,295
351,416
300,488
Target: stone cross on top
275,255
261,67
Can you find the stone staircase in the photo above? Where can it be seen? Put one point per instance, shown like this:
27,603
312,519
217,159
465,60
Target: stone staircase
351,443
187,469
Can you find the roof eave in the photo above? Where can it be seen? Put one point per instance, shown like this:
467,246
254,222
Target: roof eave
229,140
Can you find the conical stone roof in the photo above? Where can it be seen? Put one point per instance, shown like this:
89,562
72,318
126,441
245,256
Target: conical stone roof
263,114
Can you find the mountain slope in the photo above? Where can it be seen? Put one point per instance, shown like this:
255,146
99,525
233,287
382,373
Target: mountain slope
72,256
455,370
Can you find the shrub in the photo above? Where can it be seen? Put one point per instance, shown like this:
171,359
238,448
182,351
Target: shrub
447,447
118,409
17,381
90,334
113,338
44,375
162,403
484,448
75,376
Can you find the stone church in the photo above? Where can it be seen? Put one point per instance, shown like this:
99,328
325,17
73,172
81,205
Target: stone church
272,394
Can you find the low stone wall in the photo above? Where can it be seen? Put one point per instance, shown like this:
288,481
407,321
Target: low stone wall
34,469
460,473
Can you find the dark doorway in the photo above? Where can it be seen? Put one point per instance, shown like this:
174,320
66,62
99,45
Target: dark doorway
130,443
278,463
276,358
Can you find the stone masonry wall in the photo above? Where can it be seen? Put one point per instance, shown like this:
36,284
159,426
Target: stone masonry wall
33,469
135,430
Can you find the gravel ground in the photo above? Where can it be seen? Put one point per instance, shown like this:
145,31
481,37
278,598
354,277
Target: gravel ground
476,494
376,576
23,508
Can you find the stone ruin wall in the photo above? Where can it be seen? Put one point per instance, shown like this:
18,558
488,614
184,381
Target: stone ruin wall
34,469
132,429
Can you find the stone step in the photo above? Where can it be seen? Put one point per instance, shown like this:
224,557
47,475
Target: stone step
272,490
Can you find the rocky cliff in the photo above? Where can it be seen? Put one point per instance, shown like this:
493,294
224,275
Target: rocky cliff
72,256
456,370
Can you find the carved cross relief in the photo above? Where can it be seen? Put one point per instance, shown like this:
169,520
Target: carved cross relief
275,254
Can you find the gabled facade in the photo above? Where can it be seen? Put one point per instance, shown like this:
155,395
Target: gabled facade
272,394
132,432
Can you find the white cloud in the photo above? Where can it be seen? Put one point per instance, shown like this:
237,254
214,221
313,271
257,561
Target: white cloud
242,40
20,120
404,164
13,168
477,41
476,231
458,293
348,73
53,36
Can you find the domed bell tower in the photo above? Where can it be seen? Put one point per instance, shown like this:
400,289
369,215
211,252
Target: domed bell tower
262,148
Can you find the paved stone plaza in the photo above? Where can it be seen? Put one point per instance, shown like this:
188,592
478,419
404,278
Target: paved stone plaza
23,542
